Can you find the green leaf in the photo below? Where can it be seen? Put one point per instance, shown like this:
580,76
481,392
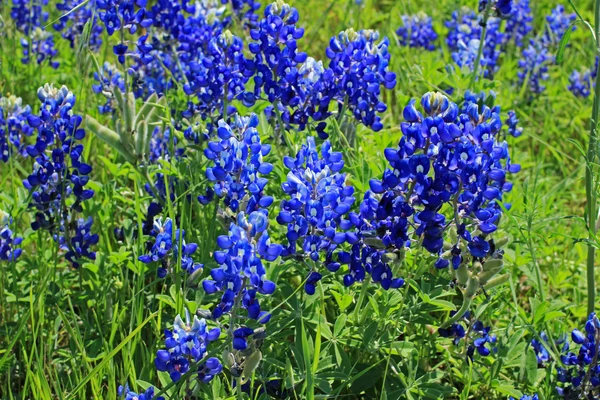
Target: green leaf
531,365
564,42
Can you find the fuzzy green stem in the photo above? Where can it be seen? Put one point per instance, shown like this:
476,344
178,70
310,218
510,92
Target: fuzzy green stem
460,313
590,193
361,298
486,16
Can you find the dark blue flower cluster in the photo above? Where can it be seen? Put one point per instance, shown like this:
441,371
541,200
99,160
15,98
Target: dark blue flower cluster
581,375
417,31
527,397
8,241
165,249
582,82
533,67
185,345
276,57
500,8
557,24
318,200
127,394
245,11
519,23
238,165
241,274
80,240
464,37
476,334
512,123
30,18
59,171
72,22
218,78
109,79
13,126
359,62
449,157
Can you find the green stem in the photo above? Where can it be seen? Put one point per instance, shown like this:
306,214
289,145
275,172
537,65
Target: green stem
590,193
460,313
486,16
363,293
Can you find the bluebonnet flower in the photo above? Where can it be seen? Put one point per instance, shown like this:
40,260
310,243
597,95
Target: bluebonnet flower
478,338
444,157
13,126
59,171
275,56
218,78
359,62
165,249
519,23
501,8
187,343
73,20
512,124
543,357
8,242
109,79
29,18
238,165
127,394
318,200
81,239
464,35
581,375
557,24
582,82
241,274
124,15
417,31
527,397
245,11
533,67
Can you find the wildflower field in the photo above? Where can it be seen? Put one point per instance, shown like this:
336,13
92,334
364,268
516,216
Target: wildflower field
336,199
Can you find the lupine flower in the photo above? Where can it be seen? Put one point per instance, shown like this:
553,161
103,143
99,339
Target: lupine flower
59,171
219,77
30,18
527,397
479,337
557,24
127,394
73,20
444,157
534,66
13,126
501,8
519,23
512,124
238,165
359,62
165,249
582,82
318,200
8,242
464,35
80,241
109,79
541,352
241,274
417,31
276,57
581,375
187,343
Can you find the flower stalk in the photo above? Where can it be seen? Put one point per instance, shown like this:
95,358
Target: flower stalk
589,176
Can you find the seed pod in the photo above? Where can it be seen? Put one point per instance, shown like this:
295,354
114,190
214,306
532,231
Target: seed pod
492,263
251,363
462,274
501,242
472,286
497,281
